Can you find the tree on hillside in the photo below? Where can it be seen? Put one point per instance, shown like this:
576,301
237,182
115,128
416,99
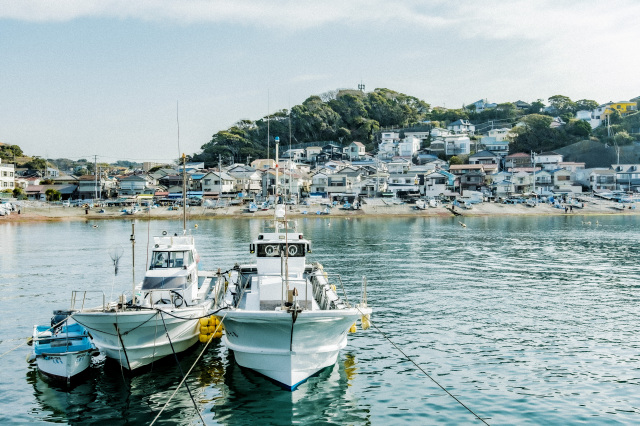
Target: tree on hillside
37,163
562,104
537,135
10,152
536,107
586,105
579,128
622,138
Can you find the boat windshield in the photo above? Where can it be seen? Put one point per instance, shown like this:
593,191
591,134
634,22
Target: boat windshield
171,259
275,250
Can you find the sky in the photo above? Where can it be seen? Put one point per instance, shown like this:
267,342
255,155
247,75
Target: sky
146,80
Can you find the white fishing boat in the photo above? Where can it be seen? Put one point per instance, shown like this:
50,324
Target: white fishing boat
61,351
161,317
284,316
421,204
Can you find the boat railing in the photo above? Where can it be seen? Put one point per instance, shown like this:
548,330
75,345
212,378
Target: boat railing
326,293
344,292
75,298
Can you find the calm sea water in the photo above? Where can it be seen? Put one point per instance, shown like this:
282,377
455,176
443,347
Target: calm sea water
525,320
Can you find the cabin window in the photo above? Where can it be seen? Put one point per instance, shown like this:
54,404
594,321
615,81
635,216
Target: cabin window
276,250
171,259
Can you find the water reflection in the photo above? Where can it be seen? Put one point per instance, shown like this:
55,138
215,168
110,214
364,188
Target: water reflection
246,397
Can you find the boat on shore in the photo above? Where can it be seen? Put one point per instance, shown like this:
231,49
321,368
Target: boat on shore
63,350
285,319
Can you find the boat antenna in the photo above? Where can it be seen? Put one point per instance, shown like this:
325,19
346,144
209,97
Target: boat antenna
184,194
133,262
268,129
178,122
290,177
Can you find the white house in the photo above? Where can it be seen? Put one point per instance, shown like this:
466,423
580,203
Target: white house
312,152
461,126
435,183
218,182
452,145
355,150
135,185
389,137
548,160
7,176
408,146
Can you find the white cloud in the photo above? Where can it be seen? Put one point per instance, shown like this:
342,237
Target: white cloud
286,14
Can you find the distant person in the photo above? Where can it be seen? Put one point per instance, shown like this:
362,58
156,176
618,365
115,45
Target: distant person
159,261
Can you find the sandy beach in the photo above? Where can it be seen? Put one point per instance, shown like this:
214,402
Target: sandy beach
34,211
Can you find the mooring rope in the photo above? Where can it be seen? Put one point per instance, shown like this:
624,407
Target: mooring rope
423,371
29,340
189,372
195,405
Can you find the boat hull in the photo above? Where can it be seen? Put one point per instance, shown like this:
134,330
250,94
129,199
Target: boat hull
288,352
64,366
138,338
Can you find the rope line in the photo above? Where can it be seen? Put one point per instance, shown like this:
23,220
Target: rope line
195,405
189,372
28,341
423,371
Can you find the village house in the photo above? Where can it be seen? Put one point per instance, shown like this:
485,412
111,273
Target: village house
543,182
436,183
484,157
217,183
247,179
473,181
627,176
461,126
135,185
548,160
7,176
596,179
355,150
517,160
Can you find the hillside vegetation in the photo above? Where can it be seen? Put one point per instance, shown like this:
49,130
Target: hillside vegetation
344,116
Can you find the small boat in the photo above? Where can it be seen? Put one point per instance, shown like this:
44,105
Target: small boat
62,351
285,319
421,204
253,207
346,206
531,202
132,210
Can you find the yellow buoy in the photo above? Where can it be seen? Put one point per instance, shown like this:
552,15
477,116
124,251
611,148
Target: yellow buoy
217,335
204,338
353,328
204,321
365,322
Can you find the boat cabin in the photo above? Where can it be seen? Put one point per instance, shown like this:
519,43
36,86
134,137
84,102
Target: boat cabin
172,274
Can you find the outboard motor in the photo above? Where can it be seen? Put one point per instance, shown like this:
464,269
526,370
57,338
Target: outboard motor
58,318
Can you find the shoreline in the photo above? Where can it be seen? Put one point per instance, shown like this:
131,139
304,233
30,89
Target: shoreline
41,212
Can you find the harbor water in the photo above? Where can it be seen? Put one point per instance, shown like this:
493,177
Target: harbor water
525,320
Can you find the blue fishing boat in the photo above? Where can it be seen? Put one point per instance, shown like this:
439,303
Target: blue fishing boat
62,350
